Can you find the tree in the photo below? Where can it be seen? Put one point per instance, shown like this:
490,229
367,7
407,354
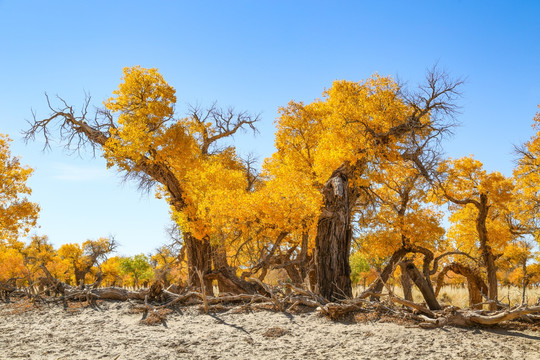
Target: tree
519,253
13,266
333,143
82,259
479,201
111,271
525,219
138,267
277,222
138,134
359,268
165,262
400,222
17,214
38,252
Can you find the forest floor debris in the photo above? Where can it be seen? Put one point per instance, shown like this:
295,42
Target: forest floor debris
117,330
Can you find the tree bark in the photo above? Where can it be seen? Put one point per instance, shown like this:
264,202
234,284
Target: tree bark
219,259
487,254
377,286
524,282
199,257
333,240
406,283
475,284
304,265
423,285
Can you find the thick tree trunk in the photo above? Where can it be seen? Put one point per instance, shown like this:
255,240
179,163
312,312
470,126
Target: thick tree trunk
199,257
219,258
423,285
333,240
406,283
475,296
487,254
79,277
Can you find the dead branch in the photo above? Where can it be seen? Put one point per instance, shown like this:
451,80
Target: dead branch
156,302
275,300
203,287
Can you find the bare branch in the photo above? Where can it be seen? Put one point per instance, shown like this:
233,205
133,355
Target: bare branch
226,123
73,129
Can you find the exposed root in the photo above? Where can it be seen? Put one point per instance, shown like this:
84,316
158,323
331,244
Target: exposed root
156,303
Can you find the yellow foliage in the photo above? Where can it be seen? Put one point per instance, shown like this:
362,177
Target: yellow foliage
466,181
17,214
111,271
12,264
527,175
145,131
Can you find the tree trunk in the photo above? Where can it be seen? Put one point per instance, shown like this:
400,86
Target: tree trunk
312,278
219,259
423,285
333,240
294,274
199,257
225,283
475,284
406,283
524,282
487,254
303,267
378,284
475,297
79,277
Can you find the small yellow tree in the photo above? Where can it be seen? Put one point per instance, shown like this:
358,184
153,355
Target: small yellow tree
479,203
17,214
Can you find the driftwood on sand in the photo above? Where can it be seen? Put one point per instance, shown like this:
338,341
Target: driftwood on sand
284,298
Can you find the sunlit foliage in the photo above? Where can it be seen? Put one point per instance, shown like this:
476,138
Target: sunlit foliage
17,214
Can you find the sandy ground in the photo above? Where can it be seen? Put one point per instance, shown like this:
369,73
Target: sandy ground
112,331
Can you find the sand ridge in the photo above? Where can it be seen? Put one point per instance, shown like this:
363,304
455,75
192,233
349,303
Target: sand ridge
113,331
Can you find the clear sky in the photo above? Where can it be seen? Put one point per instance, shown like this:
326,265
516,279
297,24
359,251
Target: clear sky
255,56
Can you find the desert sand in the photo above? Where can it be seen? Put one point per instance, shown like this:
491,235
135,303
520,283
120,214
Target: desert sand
113,331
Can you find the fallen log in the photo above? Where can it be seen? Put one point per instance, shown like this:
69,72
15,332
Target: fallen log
470,317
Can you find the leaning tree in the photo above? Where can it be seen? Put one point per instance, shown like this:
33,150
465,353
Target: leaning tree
139,133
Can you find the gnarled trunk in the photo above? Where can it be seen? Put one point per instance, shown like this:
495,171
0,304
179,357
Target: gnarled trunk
199,257
219,259
294,274
232,283
487,253
475,284
333,240
225,275
406,282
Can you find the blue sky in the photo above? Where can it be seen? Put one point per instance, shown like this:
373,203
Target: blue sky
255,56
